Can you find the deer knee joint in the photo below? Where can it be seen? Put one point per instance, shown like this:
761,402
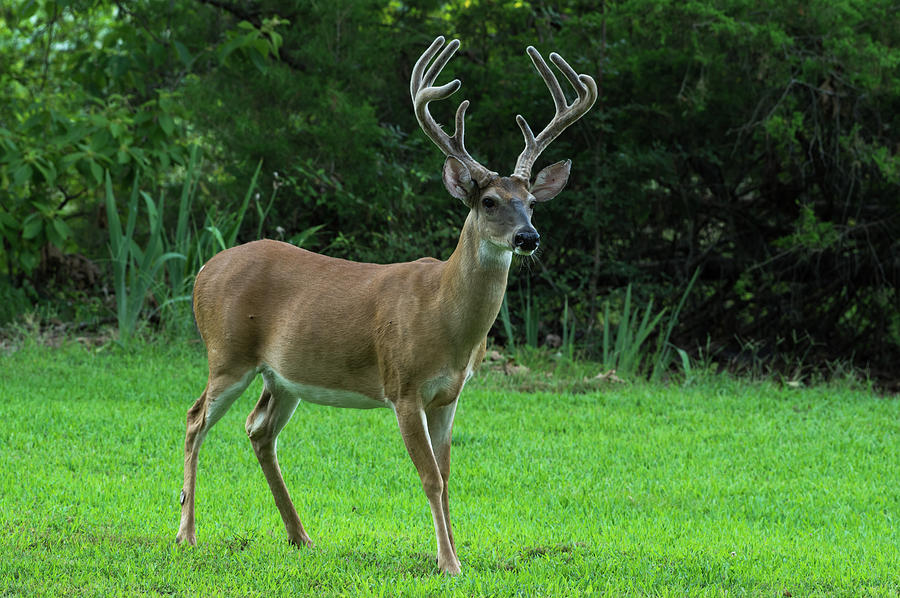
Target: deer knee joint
433,485
257,426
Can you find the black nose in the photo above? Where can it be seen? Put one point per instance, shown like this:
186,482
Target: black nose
527,240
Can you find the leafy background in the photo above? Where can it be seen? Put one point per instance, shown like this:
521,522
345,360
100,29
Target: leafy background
752,142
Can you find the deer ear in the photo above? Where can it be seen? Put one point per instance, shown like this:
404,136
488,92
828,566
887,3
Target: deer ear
458,180
551,180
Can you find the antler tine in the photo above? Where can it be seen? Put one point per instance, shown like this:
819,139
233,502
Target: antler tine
417,80
422,90
566,113
438,65
559,99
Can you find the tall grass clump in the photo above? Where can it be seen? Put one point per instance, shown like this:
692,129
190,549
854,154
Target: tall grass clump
626,348
663,358
623,348
530,319
135,269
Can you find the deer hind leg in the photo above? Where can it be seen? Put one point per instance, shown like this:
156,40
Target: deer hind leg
219,395
265,422
414,430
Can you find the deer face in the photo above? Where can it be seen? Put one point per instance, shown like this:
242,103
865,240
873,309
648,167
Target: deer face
503,208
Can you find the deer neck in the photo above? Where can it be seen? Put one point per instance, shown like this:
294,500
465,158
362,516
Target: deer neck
472,285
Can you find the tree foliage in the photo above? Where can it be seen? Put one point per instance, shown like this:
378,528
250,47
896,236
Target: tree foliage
91,87
754,141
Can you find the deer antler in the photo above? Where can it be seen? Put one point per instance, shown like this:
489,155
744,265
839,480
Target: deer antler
422,91
566,114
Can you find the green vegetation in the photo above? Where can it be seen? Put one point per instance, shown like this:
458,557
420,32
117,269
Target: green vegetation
752,142
733,206
717,488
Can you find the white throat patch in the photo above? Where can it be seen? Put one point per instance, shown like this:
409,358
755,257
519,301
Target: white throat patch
492,255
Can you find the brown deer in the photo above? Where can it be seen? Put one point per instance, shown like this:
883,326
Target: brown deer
403,336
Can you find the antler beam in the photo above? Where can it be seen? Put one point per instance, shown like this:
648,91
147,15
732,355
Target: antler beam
566,113
422,91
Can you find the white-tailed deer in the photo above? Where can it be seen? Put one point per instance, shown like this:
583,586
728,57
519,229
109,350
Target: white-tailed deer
402,336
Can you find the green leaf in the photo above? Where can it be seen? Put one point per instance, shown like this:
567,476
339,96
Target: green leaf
47,170
261,46
22,174
96,171
62,229
227,48
258,61
29,260
167,124
24,12
32,226
304,236
70,159
217,235
183,54
7,220
276,42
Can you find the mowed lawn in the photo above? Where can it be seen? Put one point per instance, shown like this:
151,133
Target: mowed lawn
720,488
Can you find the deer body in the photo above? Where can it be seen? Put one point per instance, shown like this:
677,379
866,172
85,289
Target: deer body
404,336
360,349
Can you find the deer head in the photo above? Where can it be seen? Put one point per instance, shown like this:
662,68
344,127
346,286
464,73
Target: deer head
501,205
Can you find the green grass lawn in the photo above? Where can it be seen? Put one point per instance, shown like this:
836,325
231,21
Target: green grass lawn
720,488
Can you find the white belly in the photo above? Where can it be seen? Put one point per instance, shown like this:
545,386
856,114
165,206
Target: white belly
282,387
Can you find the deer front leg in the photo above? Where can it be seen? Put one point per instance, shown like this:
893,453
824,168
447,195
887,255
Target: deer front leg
414,430
440,427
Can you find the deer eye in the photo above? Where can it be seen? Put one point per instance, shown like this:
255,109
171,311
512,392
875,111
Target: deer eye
488,202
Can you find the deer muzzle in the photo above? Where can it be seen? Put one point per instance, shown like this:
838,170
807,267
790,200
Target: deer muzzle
526,241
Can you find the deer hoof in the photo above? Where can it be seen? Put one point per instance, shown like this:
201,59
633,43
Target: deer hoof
450,568
302,542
